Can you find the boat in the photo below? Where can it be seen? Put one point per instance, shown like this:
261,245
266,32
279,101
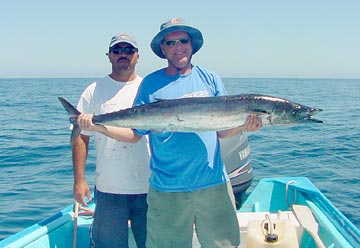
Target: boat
279,212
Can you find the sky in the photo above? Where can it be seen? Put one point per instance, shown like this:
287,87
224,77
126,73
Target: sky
251,39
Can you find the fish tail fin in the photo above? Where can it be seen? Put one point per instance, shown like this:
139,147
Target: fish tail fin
74,133
74,113
68,107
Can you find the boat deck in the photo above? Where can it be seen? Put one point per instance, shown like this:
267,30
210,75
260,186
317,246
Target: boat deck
270,208
244,220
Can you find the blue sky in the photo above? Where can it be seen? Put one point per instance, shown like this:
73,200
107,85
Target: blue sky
268,38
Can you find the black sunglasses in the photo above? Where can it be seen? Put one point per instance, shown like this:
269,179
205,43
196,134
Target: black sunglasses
174,42
127,50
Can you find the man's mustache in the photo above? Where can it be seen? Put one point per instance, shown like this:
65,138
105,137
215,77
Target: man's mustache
123,58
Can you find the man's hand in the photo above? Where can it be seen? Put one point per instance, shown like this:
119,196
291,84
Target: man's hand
85,122
81,189
253,123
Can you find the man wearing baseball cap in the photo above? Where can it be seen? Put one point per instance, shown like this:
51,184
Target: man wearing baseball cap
122,169
188,184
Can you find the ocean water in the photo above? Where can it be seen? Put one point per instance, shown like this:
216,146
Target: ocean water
35,155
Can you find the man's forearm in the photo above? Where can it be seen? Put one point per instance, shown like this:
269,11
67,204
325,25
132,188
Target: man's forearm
79,155
118,133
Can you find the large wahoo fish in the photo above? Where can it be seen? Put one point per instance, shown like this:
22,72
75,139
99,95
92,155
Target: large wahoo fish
199,114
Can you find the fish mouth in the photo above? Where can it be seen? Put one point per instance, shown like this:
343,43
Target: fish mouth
315,110
307,115
311,119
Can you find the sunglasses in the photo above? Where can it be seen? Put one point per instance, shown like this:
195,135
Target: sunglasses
174,42
127,50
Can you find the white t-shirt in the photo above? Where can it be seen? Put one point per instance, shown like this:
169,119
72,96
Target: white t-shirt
121,168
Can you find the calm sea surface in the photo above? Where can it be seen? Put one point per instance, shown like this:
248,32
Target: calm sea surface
35,155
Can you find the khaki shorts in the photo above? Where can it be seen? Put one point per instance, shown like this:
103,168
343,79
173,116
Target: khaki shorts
172,216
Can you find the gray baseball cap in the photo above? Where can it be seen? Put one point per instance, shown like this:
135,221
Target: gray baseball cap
119,38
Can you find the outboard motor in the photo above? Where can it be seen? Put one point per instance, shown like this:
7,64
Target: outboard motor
235,152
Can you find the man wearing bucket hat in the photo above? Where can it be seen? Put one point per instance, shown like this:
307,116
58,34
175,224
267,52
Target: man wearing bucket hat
189,186
122,169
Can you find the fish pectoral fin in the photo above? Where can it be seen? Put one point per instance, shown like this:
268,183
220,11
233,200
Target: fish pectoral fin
258,111
179,119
